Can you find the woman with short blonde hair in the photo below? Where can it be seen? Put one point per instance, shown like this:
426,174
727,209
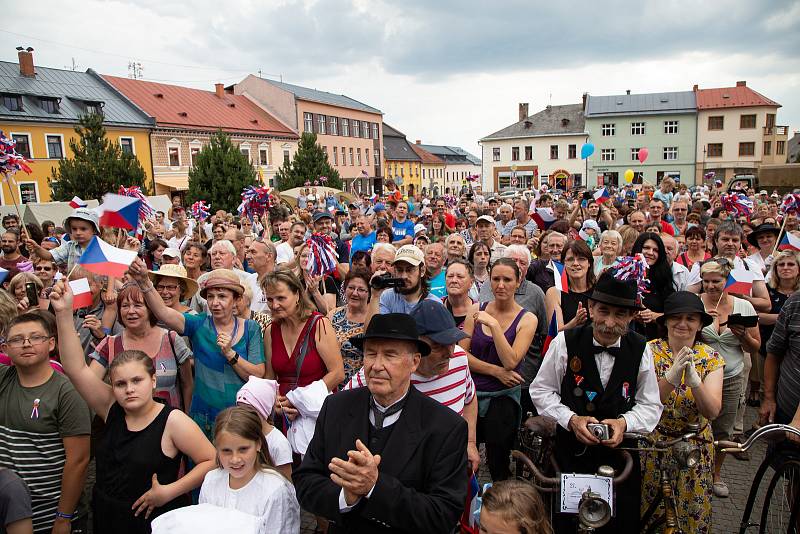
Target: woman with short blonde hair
17,289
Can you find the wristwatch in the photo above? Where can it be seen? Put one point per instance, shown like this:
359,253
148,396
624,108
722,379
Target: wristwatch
233,360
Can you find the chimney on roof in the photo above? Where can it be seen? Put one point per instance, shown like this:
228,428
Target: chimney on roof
585,96
523,110
419,142
695,88
741,84
219,89
26,67
627,91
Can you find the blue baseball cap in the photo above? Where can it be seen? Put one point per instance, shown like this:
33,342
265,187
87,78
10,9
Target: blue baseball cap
434,321
379,207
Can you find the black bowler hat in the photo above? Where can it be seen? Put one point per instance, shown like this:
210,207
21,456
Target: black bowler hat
397,326
685,302
619,293
765,228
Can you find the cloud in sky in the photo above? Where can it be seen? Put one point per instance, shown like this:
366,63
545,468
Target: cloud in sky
446,71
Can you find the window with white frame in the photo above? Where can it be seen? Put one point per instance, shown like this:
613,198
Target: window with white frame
608,154
174,154
321,124
263,154
637,128
28,193
23,144
333,126
374,130
345,131
635,154
377,157
286,156
335,156
344,156
194,151
355,128
55,146
670,152
608,129
670,127
495,154
351,157
366,156
358,157
308,122
244,148
126,144
365,129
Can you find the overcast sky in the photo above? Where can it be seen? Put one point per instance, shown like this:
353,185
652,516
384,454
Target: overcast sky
443,71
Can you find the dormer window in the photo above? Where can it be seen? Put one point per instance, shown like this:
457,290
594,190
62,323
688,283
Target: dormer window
94,107
12,102
50,105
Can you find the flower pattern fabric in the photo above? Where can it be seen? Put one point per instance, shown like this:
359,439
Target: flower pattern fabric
352,357
693,488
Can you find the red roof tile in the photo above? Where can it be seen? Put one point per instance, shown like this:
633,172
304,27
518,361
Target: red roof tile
426,157
731,97
183,107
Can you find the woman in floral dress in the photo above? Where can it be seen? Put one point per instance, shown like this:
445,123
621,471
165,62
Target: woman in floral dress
348,320
690,384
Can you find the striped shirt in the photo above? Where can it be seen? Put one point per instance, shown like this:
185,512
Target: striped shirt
453,388
785,343
31,441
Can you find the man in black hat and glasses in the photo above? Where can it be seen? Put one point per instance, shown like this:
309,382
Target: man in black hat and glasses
386,458
599,373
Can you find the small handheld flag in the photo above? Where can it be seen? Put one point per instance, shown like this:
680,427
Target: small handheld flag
76,203
543,217
552,332
82,295
789,242
560,276
739,282
119,211
601,195
104,259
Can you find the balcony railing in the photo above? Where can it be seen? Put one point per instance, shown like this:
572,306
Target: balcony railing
776,130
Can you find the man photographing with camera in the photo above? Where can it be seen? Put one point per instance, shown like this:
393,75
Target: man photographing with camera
597,383
402,292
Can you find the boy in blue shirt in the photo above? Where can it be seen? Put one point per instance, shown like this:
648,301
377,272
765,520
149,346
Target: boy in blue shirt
402,226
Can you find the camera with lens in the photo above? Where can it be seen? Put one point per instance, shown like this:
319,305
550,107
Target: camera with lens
385,281
600,431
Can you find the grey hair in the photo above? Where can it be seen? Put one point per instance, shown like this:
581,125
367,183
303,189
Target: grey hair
517,249
386,247
612,234
453,236
729,227
224,244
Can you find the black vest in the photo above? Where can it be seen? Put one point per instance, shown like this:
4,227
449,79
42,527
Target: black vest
582,377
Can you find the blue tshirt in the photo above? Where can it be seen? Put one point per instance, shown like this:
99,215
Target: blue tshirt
361,242
402,229
438,285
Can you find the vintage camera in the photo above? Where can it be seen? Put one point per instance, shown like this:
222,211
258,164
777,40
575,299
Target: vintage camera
385,281
600,431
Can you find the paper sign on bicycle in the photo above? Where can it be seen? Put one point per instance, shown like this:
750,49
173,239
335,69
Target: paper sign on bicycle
573,485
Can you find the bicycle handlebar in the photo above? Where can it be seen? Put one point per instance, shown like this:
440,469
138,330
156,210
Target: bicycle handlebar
730,446
554,482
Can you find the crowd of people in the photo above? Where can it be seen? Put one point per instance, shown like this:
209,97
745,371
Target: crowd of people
226,380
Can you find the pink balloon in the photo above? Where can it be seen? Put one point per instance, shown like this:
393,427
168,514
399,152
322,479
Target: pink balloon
643,153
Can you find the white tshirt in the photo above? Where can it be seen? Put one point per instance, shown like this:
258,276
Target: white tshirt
280,451
268,496
285,253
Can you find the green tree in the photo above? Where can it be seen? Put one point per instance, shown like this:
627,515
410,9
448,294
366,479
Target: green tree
309,163
98,165
219,174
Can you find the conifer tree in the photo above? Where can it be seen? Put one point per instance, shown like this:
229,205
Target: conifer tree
308,164
220,173
98,165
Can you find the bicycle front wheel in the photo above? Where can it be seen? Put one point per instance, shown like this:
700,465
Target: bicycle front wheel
779,512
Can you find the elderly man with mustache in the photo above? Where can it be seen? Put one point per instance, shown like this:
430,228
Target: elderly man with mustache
599,373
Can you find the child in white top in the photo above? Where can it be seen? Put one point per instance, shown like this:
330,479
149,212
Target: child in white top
245,479
259,393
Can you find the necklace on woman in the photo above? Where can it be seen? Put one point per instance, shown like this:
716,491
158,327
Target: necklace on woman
235,328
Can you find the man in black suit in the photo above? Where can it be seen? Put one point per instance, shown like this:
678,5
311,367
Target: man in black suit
386,458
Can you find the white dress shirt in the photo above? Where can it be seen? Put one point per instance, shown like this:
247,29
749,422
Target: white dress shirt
680,274
545,390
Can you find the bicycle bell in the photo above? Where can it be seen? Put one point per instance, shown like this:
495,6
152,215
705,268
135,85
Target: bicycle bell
686,454
605,471
593,511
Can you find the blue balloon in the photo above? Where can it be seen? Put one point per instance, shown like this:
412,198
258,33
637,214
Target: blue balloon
587,150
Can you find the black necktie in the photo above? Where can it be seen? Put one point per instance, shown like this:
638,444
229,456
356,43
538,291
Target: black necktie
380,416
597,349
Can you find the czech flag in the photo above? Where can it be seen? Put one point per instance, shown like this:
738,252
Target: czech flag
740,282
789,242
560,276
552,332
3,275
543,217
468,522
119,211
76,203
601,195
82,296
104,259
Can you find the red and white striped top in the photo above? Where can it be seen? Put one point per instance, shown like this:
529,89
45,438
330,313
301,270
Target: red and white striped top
454,388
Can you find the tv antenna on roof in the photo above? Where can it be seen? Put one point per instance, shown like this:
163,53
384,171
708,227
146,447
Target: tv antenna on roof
73,67
135,70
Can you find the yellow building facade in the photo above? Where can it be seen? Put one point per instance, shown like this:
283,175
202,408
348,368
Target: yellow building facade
47,144
409,173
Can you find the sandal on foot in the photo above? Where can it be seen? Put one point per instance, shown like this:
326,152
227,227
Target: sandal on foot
721,490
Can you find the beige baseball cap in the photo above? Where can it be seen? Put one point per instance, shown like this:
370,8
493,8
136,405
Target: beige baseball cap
409,254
